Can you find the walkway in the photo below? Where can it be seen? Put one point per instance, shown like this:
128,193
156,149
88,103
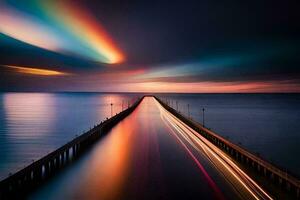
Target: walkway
151,155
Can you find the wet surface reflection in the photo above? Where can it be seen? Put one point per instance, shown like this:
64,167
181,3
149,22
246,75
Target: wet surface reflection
33,124
138,159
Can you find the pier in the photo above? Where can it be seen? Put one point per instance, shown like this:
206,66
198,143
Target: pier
17,185
151,120
262,168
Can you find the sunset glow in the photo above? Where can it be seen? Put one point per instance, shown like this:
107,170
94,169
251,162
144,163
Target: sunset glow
109,48
211,87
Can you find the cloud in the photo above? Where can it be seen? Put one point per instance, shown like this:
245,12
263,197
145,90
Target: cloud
35,71
258,65
202,44
67,29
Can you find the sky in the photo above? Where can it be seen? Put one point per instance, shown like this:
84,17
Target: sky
203,46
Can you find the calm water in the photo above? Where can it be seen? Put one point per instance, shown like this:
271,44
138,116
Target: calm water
33,124
140,158
265,124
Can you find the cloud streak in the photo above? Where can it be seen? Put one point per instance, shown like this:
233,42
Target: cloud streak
36,71
202,46
61,27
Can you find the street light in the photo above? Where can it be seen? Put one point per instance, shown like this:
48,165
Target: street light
111,109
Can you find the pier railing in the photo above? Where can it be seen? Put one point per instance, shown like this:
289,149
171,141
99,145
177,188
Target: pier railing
261,167
19,184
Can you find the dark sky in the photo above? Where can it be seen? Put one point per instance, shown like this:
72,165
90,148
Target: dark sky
191,46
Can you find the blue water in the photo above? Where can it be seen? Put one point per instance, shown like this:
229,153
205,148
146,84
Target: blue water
265,124
33,124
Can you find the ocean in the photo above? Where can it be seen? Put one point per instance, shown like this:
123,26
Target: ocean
34,124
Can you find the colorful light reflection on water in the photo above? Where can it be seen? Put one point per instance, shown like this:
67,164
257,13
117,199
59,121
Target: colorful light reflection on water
32,124
137,159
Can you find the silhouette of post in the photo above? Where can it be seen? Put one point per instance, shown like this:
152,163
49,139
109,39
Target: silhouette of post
111,109
189,110
177,105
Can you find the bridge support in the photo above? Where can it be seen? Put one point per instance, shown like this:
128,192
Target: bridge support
265,171
67,155
74,151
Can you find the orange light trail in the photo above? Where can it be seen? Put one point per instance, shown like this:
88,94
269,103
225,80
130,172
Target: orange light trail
218,192
36,71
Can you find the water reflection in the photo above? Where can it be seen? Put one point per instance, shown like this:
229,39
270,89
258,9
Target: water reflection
108,168
116,101
28,114
33,124
103,173
137,159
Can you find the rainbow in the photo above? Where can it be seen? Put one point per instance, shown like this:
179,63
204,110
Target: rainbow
60,26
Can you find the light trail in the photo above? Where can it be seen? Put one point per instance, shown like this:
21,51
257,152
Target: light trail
246,187
36,71
209,179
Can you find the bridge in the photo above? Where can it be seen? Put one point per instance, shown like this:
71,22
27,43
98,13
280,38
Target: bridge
176,148
263,168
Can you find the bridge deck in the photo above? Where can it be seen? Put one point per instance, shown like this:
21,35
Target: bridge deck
152,155
286,186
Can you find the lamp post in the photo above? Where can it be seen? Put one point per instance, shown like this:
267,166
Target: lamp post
111,109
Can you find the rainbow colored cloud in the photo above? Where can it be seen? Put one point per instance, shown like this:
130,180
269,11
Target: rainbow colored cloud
59,26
